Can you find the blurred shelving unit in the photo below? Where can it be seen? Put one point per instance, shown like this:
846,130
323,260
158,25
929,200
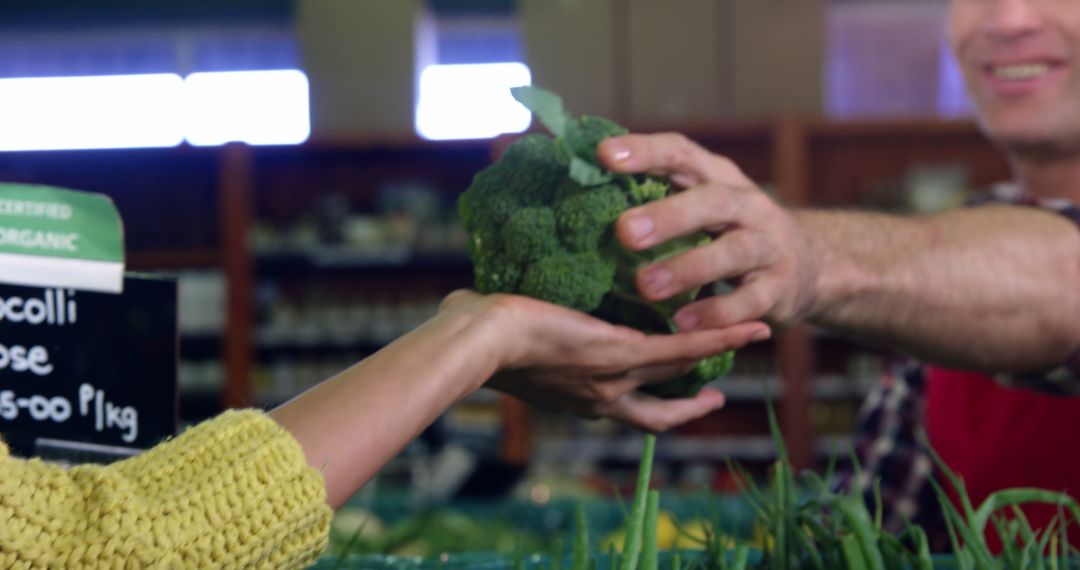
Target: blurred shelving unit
286,311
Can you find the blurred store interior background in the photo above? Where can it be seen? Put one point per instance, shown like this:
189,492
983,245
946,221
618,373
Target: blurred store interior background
296,164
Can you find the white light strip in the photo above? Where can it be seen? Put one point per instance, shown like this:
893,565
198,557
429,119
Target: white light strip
254,107
161,110
116,111
471,101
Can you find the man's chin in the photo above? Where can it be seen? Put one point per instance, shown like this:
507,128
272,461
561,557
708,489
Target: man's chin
1023,133
1036,144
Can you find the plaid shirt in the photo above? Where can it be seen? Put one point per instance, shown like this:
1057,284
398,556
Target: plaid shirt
891,423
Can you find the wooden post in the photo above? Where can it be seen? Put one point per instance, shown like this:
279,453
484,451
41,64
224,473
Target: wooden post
515,446
235,183
795,350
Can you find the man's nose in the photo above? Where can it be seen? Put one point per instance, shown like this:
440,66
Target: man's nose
1010,19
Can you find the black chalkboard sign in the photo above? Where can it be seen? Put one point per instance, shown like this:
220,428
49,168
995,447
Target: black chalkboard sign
85,367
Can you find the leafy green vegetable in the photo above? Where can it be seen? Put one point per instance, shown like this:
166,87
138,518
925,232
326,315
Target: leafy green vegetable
635,526
581,540
547,105
649,555
541,223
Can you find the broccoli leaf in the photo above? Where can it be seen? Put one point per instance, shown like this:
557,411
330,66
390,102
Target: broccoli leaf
583,134
544,104
587,174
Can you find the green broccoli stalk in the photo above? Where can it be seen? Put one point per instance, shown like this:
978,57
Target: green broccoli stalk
541,224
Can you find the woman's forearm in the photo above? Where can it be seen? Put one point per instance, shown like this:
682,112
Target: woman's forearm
994,288
355,422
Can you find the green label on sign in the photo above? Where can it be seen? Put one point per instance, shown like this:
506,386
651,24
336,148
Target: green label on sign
53,222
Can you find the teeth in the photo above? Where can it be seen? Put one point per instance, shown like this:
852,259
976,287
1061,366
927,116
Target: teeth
1022,71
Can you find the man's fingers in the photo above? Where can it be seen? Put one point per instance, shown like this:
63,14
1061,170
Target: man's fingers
700,208
732,254
667,154
753,300
657,415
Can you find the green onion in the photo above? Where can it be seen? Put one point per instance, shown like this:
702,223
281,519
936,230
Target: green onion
649,555
581,539
632,542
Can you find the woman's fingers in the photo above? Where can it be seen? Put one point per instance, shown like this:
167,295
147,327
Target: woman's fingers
659,373
656,415
650,350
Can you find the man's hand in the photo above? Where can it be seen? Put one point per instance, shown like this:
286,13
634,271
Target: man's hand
558,358
991,288
758,245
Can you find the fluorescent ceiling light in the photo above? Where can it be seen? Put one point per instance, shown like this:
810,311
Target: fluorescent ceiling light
115,111
255,107
471,101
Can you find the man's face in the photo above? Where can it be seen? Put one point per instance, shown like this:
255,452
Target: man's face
1020,63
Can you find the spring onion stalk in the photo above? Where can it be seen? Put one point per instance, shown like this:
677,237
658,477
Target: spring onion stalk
878,506
632,542
1010,497
649,555
854,512
922,549
853,555
974,553
581,539
741,558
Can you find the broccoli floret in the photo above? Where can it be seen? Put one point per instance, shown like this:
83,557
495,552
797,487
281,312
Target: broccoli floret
541,224
705,370
488,206
575,280
495,276
536,167
528,174
530,234
493,270
585,217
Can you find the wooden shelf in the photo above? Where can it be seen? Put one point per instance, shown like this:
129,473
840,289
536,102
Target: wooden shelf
170,259
822,129
343,259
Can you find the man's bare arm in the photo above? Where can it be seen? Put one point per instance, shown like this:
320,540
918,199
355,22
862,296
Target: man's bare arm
995,288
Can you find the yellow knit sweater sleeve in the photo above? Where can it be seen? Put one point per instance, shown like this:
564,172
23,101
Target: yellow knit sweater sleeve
232,492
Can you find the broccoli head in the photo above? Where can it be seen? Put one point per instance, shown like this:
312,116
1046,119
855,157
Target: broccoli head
541,223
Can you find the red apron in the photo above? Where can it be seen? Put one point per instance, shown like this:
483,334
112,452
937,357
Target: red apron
997,438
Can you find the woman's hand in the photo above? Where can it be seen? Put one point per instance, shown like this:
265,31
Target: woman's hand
558,358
